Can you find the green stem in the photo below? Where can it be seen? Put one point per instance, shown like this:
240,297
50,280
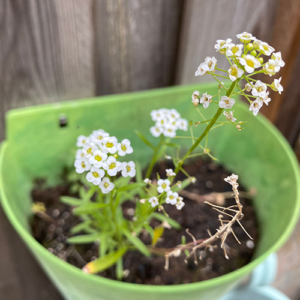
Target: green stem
207,129
152,163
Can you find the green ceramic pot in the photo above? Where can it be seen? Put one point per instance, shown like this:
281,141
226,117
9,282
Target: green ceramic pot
36,146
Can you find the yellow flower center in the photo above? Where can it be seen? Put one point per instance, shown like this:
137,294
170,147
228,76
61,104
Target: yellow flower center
106,185
171,197
99,137
123,147
83,141
234,72
128,168
96,174
83,164
164,185
112,166
109,145
227,101
260,89
234,49
250,63
98,157
89,151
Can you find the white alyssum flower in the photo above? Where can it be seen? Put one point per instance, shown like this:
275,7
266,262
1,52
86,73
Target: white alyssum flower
265,48
81,165
163,185
162,121
180,204
82,140
195,98
202,69
211,63
124,148
256,106
147,180
156,114
154,201
169,131
271,67
226,102
173,114
222,45
205,100
98,158
276,86
182,124
80,154
256,44
245,37
278,59
106,185
234,72
110,144
128,169
234,50
156,130
171,198
89,149
112,166
265,99
249,62
229,116
95,175
170,172
259,89
248,86
98,136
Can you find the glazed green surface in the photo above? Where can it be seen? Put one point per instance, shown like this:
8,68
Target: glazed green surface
37,147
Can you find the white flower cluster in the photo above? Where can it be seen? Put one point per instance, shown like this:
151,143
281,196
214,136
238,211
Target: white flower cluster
167,122
241,61
163,186
98,155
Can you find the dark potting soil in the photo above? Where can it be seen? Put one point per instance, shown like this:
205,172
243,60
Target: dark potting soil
197,217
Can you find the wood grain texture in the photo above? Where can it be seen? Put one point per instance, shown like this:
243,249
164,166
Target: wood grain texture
46,52
204,22
136,44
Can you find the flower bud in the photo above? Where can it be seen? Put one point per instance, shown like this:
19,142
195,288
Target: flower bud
261,60
253,53
243,55
256,44
249,47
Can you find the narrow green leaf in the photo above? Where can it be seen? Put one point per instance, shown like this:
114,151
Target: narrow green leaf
84,239
136,242
139,174
162,217
84,226
119,269
104,262
142,137
70,201
158,232
149,229
184,184
172,145
131,186
89,208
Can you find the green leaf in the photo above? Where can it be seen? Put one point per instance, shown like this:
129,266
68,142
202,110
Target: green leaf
104,262
136,242
184,184
84,226
70,201
131,186
84,239
141,136
139,174
162,217
121,181
89,208
158,232
172,145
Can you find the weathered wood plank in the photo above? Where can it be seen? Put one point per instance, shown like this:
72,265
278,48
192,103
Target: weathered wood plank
136,44
46,52
204,22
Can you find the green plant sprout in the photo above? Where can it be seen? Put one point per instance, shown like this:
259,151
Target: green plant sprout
110,182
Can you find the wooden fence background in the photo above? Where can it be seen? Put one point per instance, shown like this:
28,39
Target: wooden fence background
56,50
